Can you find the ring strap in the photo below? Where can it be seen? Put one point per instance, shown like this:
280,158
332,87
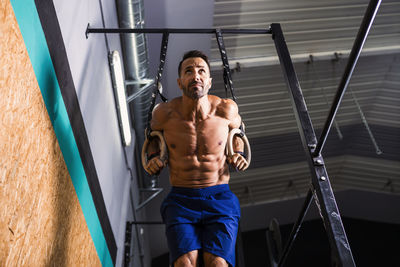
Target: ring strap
228,83
227,72
157,87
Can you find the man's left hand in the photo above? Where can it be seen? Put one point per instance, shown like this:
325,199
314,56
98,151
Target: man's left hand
238,162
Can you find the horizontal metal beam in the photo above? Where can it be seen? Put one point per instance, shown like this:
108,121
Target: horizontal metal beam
260,61
140,92
145,222
153,195
176,30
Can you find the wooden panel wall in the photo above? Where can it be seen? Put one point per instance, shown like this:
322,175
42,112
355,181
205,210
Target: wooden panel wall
41,221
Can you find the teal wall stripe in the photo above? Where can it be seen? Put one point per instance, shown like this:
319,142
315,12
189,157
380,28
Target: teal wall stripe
35,42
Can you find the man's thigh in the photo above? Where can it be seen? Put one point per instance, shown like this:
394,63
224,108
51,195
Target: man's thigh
187,260
211,260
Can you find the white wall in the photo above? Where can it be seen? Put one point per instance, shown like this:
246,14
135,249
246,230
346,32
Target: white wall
88,59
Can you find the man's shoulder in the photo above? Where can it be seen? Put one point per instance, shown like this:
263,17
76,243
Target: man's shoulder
165,106
175,101
160,115
162,111
221,102
225,107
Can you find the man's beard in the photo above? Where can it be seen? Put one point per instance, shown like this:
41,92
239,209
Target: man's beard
194,94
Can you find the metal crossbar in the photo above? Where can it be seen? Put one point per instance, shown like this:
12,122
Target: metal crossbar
175,30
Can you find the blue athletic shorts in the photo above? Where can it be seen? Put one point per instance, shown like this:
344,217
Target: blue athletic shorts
205,218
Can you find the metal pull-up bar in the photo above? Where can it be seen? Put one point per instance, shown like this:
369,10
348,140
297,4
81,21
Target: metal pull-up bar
176,30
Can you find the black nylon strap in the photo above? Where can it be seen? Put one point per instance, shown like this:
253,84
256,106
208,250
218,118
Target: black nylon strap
227,72
163,54
225,77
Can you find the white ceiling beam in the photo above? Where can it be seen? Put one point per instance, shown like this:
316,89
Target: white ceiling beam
274,60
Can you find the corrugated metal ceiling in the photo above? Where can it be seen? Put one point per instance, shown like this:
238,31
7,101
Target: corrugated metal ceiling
310,27
319,28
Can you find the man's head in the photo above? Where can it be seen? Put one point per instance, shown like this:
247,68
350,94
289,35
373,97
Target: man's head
194,74
190,54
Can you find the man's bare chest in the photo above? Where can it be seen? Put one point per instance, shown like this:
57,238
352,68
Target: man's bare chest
197,138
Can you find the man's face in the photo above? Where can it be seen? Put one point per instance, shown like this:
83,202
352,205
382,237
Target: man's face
194,80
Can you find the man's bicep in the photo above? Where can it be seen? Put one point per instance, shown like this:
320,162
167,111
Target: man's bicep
236,122
158,118
233,115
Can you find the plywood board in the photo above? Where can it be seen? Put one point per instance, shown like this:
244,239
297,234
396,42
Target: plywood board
41,221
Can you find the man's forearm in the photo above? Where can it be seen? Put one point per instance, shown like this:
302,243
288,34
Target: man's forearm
238,145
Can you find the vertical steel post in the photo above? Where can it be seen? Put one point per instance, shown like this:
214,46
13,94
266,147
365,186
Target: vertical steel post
321,186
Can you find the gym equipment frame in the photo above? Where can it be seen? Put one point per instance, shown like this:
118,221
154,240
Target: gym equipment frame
320,189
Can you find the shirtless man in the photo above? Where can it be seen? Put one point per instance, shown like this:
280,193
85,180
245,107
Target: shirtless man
200,212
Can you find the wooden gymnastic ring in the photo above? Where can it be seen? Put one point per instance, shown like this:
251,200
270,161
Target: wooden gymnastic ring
163,148
231,134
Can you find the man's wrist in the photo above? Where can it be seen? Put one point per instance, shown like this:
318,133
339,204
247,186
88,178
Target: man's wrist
240,153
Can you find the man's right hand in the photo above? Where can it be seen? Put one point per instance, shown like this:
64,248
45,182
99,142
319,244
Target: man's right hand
154,166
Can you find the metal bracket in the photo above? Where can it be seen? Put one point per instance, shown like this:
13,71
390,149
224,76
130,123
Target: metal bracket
139,82
156,191
87,31
140,92
318,161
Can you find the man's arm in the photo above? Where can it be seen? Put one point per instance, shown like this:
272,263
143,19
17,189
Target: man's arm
155,164
237,160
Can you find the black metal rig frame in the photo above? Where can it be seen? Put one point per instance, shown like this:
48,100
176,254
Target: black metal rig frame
320,188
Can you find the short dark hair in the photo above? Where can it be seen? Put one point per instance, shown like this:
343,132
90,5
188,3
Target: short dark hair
190,54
